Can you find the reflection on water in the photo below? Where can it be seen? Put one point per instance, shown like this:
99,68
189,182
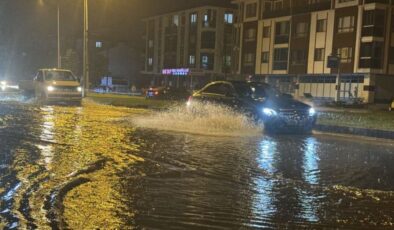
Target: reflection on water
88,168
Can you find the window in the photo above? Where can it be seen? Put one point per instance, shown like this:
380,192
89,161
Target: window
265,57
266,32
298,57
193,18
208,39
100,44
250,34
175,20
207,61
301,29
229,18
209,18
319,54
213,88
391,58
282,32
150,61
321,25
251,10
345,54
192,60
371,55
227,60
249,59
346,24
150,43
280,59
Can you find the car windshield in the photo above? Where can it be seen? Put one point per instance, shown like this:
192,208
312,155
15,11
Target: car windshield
256,90
59,76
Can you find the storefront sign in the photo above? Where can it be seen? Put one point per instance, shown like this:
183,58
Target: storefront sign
176,72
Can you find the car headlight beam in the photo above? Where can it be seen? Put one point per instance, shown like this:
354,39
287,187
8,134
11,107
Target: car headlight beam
50,88
269,112
312,112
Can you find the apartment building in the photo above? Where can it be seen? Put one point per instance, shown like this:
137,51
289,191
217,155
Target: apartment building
288,43
189,48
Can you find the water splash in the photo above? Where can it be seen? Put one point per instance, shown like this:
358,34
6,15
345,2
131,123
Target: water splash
201,118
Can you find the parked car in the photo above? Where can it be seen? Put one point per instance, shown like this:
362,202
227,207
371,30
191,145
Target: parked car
279,112
391,106
167,93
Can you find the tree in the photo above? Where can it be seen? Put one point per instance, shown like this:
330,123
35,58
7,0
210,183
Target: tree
71,61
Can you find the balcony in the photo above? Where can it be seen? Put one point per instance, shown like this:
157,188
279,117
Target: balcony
377,1
281,39
373,31
312,7
276,13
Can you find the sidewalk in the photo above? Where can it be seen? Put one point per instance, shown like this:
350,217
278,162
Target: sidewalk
371,122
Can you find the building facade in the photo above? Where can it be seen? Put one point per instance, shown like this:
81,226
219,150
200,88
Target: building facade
288,43
189,48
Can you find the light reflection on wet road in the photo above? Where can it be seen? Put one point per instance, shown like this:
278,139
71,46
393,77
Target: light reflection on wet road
87,167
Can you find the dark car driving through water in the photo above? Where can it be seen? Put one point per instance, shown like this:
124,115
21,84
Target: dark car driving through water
279,112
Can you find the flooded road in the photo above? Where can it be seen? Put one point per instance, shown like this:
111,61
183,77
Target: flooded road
101,167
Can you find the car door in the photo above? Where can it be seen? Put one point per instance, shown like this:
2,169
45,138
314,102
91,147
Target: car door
212,93
39,83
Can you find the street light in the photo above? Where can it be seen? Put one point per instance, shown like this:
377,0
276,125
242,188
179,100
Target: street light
85,47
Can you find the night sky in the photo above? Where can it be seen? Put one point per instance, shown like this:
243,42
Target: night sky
28,27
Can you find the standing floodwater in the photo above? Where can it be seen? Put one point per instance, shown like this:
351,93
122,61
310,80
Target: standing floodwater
104,167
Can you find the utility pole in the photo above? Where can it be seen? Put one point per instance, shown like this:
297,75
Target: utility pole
59,59
86,47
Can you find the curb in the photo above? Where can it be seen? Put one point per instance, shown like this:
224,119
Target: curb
356,131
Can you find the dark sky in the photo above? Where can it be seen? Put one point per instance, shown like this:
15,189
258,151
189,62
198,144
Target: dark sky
28,28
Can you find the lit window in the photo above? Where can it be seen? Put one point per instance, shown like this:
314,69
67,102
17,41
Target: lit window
150,61
193,18
346,24
345,54
228,18
319,54
99,44
192,60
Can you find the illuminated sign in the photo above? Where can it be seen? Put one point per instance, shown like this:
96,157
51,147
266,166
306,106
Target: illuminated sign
176,72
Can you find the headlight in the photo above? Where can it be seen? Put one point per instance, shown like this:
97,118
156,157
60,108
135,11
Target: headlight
50,88
312,112
79,89
269,112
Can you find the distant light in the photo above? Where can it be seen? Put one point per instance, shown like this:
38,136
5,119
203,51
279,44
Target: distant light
99,44
79,89
50,88
3,83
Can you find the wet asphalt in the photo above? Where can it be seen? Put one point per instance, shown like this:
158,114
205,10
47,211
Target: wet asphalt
89,167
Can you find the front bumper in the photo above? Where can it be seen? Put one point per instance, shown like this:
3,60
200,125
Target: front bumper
61,96
290,119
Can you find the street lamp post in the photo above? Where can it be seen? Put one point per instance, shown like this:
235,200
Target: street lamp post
59,59
86,47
